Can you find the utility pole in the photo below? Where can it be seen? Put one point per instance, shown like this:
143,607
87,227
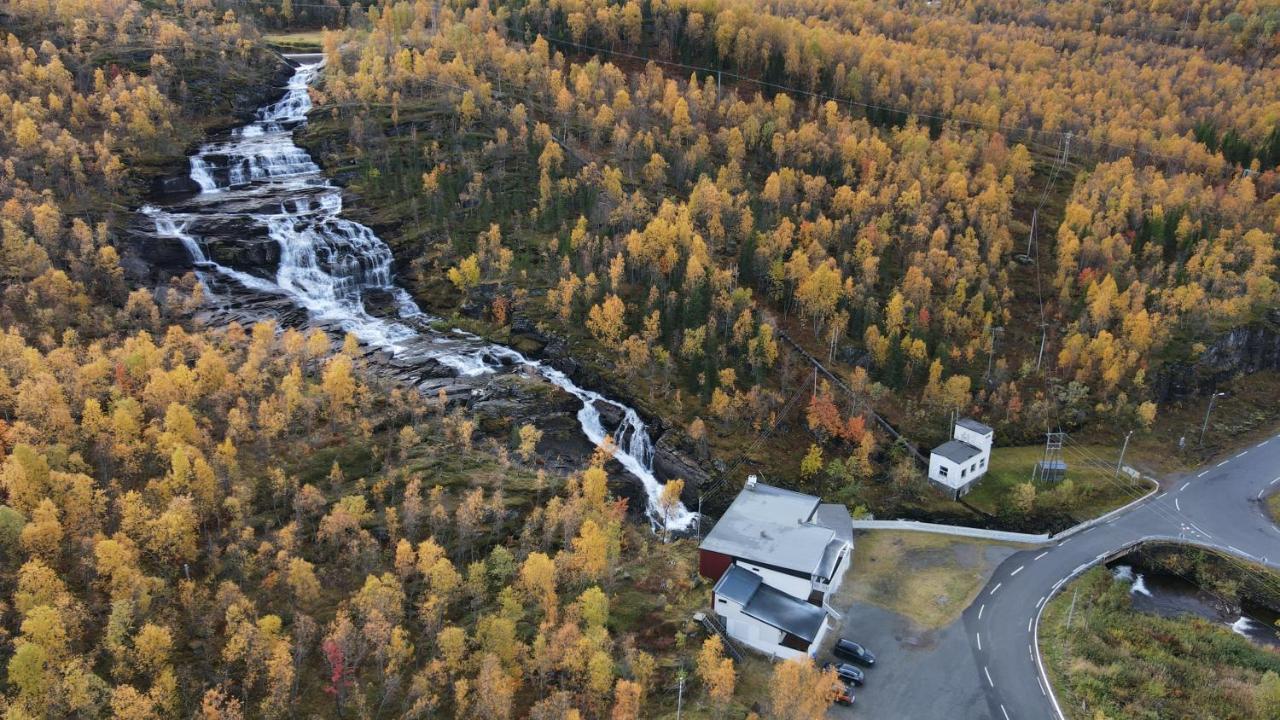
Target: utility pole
1212,399
1120,464
699,516
991,356
1044,330
680,696
1031,235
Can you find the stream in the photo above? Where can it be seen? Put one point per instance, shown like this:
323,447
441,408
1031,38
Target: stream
264,201
1170,596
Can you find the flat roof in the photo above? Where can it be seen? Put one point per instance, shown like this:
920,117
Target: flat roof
776,527
789,614
957,451
975,426
738,585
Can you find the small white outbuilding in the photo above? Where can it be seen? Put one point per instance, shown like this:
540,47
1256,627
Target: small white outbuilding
959,462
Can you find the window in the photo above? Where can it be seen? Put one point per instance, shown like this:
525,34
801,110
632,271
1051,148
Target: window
963,472
982,462
942,471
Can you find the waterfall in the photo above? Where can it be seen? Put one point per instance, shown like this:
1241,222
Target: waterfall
328,263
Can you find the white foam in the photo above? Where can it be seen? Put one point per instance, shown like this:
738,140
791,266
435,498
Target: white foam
1242,626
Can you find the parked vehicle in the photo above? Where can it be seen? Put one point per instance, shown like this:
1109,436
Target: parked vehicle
850,650
846,672
844,694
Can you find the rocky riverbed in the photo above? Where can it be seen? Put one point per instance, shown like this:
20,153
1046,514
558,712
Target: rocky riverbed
263,231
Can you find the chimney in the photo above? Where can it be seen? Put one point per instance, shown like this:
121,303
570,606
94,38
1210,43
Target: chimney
751,482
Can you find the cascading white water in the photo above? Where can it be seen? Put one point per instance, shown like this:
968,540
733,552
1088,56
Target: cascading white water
328,264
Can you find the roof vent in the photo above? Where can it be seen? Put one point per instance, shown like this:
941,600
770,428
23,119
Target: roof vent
751,482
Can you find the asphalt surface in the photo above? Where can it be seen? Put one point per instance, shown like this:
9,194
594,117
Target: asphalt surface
1216,506
904,655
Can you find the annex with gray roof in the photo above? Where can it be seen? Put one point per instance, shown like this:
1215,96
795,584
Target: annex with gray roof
975,426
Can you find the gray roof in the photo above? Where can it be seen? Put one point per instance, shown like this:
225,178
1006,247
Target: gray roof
738,585
836,518
830,556
776,527
956,451
975,426
785,612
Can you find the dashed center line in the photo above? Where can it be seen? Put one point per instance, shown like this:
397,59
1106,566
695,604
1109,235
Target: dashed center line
1040,602
1224,462
978,637
1015,572
984,607
1046,552
1029,621
1242,453
1184,486
1042,692
1273,482
1206,472
988,674
1005,712
1177,504
994,589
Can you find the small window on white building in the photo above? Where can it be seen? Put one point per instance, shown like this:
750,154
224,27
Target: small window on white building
963,472
942,471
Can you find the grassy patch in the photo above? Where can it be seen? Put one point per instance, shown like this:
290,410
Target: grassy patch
928,578
1093,490
1246,414
1115,662
1273,507
296,41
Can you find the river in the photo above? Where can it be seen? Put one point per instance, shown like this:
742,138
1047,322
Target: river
256,181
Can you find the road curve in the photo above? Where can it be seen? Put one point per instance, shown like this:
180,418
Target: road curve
1215,506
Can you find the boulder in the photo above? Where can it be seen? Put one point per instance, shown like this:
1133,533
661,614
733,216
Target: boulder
671,460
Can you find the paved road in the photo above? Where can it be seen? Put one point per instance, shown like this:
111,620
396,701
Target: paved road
1215,506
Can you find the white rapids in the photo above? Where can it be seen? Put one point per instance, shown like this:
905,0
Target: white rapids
258,176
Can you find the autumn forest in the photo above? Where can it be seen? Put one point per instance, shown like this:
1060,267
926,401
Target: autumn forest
1027,213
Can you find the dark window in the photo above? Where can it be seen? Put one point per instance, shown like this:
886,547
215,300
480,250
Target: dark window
795,643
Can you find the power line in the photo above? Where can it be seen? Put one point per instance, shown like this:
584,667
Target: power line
1028,131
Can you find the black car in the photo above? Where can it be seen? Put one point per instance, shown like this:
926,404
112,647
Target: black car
846,672
850,650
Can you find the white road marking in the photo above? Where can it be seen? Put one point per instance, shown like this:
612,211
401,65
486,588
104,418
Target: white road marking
1233,548
1206,472
1177,504
1264,442
1224,462
1184,486
1031,654
1273,482
1064,542
1242,453
1260,494
1029,621
988,674
1202,532
984,607
979,637
1015,572
1040,602
1046,552
1006,712
1042,692
994,589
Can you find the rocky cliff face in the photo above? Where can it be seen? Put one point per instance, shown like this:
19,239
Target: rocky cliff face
1247,349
